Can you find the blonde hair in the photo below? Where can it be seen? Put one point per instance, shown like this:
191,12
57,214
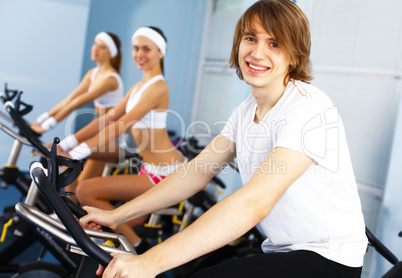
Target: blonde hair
283,20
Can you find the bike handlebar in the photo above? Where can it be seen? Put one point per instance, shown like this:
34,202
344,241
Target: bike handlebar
384,251
8,94
58,230
76,231
25,129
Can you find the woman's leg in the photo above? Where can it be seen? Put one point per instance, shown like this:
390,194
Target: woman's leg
94,166
97,192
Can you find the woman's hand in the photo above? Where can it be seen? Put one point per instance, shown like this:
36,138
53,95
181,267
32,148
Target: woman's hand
97,218
37,128
60,151
126,265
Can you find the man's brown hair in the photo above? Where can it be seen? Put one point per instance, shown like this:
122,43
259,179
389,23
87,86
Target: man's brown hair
283,20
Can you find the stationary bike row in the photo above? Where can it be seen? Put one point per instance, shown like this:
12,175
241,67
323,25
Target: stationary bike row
80,240
25,234
98,244
25,239
248,244
168,221
10,174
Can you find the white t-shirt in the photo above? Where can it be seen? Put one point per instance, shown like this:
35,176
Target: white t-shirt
321,210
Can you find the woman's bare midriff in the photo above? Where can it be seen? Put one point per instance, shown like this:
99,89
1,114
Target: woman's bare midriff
155,147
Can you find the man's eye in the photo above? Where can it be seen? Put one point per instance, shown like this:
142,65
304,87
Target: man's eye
250,39
274,44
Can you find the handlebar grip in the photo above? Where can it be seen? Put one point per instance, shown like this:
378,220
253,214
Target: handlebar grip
74,166
384,251
79,211
8,104
19,104
61,209
8,94
25,129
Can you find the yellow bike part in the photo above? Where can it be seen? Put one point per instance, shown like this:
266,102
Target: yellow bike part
175,219
109,243
116,172
5,228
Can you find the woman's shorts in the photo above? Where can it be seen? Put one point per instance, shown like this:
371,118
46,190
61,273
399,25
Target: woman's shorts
157,173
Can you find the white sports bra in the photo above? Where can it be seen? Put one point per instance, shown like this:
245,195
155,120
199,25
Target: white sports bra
111,98
153,119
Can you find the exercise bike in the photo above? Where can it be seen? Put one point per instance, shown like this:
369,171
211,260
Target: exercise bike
80,241
25,234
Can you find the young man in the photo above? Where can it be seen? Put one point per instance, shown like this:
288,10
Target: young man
299,186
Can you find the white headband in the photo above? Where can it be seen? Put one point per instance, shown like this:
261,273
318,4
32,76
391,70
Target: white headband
107,39
153,36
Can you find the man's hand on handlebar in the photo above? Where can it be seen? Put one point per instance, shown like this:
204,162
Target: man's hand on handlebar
97,218
125,265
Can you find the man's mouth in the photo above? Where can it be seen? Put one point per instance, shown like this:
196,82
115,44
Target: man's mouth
258,67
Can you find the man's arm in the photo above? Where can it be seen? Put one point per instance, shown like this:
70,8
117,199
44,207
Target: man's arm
176,187
223,223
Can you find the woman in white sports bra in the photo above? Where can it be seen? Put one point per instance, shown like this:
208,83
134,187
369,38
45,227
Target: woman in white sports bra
102,84
143,111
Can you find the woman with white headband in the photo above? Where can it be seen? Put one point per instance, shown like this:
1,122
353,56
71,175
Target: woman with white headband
102,84
143,111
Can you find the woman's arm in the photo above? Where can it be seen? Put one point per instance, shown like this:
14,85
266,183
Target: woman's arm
81,88
150,99
223,223
93,128
106,85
